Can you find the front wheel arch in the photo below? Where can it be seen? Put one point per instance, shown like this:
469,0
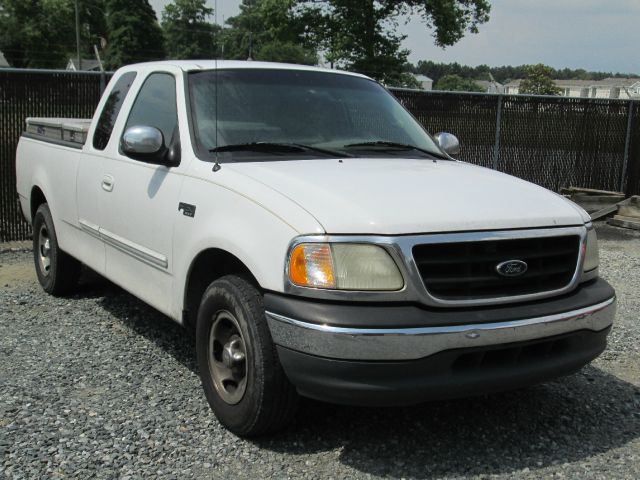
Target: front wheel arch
207,266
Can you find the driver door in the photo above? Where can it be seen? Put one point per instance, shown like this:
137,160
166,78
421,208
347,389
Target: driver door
140,209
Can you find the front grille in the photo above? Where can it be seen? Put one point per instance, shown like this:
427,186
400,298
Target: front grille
467,270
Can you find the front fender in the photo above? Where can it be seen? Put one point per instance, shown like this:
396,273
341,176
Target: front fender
229,221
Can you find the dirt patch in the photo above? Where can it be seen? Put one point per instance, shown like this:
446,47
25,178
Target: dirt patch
22,245
15,274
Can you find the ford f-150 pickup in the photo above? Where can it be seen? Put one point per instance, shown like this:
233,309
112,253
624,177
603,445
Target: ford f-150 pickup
316,239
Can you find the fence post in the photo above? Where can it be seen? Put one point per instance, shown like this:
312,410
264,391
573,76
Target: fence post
627,140
496,145
103,82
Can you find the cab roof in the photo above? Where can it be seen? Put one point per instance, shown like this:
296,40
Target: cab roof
200,65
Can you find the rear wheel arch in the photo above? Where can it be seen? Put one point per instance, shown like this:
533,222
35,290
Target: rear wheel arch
37,198
56,270
207,266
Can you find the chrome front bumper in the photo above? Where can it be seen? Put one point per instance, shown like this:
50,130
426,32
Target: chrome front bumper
415,343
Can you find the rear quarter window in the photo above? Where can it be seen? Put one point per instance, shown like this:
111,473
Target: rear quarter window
111,109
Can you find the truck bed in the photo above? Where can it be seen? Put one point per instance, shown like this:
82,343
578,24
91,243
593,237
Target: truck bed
71,132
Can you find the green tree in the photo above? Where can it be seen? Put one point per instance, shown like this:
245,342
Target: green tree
361,35
455,83
264,26
187,31
504,73
41,33
539,81
482,72
93,25
35,33
286,52
134,34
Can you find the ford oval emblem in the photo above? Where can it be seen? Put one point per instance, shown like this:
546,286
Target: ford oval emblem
512,268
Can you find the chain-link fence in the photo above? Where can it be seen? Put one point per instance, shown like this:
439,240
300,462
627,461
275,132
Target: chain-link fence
551,141
35,93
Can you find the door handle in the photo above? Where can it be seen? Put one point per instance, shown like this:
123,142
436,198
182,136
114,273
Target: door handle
107,183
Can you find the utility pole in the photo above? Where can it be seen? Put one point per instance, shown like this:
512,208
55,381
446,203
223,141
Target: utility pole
79,66
95,49
219,44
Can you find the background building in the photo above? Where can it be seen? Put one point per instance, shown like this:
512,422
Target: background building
3,61
490,86
86,64
607,88
425,82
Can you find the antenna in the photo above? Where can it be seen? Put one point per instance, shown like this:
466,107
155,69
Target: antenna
250,30
216,165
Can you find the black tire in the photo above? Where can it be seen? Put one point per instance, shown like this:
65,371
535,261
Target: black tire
57,271
268,401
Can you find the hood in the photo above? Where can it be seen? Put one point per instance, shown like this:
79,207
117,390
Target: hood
391,196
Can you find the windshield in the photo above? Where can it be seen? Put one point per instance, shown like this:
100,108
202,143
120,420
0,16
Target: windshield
273,114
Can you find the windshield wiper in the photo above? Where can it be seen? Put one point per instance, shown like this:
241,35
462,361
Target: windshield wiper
277,148
384,145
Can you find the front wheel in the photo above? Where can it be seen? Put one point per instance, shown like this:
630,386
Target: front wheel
57,271
243,380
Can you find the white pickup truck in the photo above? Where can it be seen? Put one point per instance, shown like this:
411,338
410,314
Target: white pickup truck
316,238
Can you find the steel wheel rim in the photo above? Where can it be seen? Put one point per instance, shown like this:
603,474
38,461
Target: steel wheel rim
44,250
227,357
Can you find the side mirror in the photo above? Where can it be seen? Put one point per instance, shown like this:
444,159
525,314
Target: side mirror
448,143
145,144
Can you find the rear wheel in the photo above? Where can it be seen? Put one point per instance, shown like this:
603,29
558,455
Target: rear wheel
239,366
57,271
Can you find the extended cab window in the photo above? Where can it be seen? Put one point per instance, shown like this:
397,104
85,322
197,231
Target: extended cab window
156,107
111,109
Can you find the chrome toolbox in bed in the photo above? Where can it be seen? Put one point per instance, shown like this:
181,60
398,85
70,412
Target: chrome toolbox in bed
71,130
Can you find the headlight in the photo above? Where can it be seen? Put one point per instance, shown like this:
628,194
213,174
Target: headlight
343,266
591,257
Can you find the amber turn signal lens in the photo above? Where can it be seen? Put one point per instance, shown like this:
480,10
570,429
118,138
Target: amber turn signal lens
591,255
311,265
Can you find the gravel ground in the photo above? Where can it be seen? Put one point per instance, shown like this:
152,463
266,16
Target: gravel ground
100,385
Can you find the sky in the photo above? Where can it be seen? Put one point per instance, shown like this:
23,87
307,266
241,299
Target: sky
597,35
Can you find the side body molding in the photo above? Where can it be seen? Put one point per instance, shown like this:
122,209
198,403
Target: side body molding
139,252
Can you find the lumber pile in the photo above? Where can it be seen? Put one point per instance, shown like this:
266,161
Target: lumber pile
593,200
628,214
602,203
